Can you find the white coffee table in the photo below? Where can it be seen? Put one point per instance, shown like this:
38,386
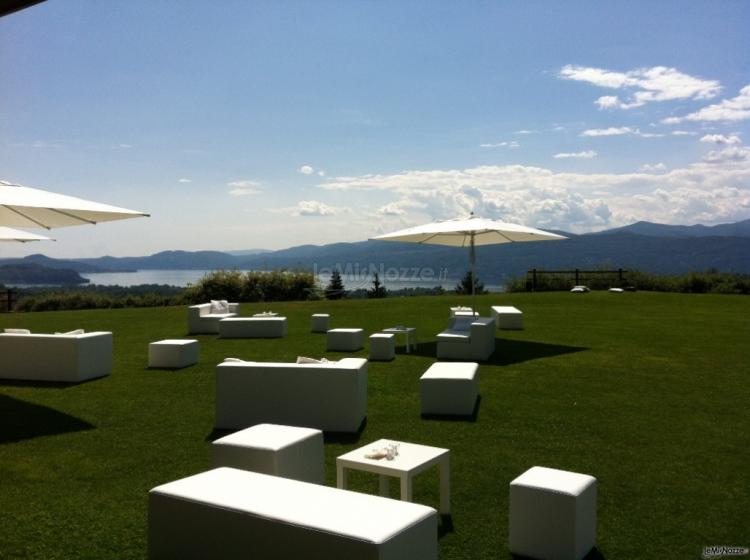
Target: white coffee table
410,332
412,459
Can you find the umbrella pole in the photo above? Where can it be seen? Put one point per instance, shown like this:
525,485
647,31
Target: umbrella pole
472,259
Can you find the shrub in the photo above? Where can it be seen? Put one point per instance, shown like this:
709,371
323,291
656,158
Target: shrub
694,282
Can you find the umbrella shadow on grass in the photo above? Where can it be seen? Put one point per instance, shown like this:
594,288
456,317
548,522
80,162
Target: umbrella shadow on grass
509,352
22,420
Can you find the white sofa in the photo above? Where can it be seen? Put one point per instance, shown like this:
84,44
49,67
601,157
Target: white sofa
55,357
330,396
467,338
229,513
202,321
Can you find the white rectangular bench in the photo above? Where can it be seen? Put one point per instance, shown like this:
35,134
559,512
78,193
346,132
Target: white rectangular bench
252,327
231,513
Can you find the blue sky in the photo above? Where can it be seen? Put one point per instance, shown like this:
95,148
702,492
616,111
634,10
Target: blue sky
241,124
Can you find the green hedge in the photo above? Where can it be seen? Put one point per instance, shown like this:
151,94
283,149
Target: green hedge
233,285
694,282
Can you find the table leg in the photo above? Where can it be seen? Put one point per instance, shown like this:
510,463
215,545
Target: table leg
405,488
383,485
341,475
445,486
408,342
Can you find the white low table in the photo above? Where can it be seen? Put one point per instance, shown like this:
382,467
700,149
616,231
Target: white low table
410,332
507,317
412,459
172,353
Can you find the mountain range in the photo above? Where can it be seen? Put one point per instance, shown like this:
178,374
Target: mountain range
646,246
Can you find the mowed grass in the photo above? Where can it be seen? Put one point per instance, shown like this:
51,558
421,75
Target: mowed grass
647,392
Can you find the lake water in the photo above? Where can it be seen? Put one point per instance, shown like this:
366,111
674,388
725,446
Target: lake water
184,277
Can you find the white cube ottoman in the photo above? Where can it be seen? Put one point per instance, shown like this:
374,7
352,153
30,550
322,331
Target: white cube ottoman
450,388
319,322
507,317
286,451
382,346
345,340
172,353
552,514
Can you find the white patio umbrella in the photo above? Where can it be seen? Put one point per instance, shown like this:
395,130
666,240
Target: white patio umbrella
469,232
11,234
26,207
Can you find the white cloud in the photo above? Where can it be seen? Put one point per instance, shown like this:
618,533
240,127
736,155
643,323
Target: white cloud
314,208
683,133
728,155
701,192
321,173
244,188
184,180
653,168
658,83
735,109
576,155
721,139
391,209
511,144
611,131
526,132
306,170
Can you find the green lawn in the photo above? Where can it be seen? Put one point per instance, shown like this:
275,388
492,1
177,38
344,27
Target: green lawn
647,392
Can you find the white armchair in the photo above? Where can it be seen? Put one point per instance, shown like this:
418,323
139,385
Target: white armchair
467,338
204,318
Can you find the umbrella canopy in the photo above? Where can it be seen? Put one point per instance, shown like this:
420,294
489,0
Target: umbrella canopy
10,234
469,232
26,207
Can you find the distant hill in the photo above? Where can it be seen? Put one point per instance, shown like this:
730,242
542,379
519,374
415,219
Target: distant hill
13,274
737,229
246,252
41,260
646,246
166,260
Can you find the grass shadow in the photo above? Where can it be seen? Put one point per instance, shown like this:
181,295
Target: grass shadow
594,554
24,420
345,438
509,352
45,384
456,417
445,526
